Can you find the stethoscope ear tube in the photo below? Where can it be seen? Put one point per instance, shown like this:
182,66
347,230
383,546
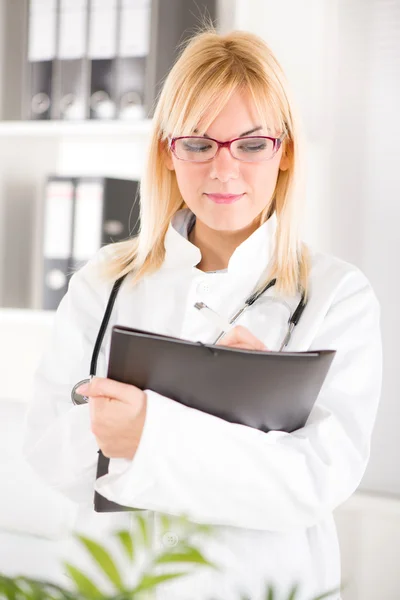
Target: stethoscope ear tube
256,295
294,319
299,310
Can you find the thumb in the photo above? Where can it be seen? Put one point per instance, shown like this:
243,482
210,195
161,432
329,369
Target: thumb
109,388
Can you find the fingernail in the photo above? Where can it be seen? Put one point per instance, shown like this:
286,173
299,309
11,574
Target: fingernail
82,389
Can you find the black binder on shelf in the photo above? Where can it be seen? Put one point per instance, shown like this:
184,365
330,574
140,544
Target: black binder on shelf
71,73
264,390
130,88
118,75
106,211
102,51
42,35
131,65
57,239
82,214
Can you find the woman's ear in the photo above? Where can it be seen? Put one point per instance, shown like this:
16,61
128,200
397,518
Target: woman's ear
166,155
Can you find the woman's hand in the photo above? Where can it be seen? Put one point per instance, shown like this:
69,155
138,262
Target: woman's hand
240,337
117,413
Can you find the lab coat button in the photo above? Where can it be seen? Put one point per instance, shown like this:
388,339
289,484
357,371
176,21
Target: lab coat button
203,287
170,539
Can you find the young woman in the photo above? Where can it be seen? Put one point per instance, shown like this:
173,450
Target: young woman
221,200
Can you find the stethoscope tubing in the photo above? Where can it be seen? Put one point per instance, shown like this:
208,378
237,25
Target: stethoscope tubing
293,321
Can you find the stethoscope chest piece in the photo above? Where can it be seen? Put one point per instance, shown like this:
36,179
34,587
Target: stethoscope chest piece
77,398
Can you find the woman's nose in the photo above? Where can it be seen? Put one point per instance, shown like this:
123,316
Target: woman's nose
224,166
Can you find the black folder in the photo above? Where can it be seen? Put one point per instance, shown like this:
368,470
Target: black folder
261,389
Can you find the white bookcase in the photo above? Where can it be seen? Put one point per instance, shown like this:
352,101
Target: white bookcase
30,150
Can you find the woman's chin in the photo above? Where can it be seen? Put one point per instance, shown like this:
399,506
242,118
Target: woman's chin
227,222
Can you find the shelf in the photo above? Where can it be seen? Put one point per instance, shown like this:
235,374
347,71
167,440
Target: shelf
76,128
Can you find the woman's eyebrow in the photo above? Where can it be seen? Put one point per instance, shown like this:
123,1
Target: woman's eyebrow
241,135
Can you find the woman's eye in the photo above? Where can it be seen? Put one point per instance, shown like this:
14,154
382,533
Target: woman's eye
252,147
196,147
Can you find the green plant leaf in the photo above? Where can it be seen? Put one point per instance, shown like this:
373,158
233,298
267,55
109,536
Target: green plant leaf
28,587
127,543
293,593
86,587
187,554
104,560
23,588
165,522
327,594
195,527
185,525
34,591
45,589
270,593
8,587
144,529
204,528
149,581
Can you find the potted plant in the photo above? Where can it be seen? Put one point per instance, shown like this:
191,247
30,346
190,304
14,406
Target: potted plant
183,554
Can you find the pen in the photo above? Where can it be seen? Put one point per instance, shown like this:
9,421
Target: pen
214,318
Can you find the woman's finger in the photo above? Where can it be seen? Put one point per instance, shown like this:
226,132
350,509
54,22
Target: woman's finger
102,386
241,335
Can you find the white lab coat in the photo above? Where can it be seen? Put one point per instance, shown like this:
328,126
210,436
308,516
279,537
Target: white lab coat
270,495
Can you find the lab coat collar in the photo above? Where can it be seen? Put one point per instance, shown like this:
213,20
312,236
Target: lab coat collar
252,254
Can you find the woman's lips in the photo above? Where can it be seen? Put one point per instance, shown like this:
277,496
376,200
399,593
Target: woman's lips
224,198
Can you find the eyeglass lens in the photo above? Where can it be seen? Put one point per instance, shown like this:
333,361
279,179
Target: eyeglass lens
247,149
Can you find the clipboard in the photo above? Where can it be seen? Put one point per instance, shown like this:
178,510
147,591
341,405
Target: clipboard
266,390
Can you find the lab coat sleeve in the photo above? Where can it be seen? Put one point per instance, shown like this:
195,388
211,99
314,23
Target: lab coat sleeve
189,462
58,442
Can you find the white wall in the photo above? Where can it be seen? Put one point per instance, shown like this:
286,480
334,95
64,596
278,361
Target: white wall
380,235
342,58
369,534
299,33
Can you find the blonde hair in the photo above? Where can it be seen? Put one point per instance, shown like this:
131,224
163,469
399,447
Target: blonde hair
210,68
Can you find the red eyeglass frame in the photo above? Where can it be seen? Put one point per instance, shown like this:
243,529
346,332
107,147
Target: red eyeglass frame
277,144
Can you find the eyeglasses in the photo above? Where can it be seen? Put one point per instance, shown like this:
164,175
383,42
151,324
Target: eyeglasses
246,149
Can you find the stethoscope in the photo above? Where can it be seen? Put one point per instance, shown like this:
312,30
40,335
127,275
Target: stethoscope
293,321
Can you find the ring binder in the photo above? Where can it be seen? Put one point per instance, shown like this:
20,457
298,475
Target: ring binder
102,58
71,81
260,389
42,23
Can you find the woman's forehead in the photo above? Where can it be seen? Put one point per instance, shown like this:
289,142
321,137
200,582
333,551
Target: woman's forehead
260,129
243,124
233,115
236,131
